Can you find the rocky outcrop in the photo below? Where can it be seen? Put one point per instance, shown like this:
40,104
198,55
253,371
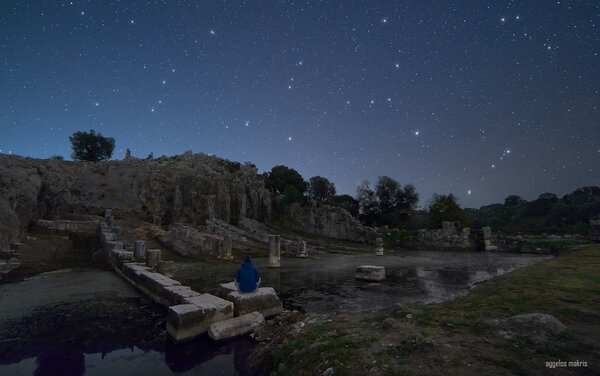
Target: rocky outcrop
188,188
327,221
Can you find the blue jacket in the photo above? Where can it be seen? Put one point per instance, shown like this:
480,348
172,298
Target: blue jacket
247,277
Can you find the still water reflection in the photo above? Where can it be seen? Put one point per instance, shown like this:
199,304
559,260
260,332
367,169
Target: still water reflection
92,323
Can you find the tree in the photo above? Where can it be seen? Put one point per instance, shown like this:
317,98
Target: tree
513,200
320,189
445,208
286,181
346,202
396,204
91,146
368,207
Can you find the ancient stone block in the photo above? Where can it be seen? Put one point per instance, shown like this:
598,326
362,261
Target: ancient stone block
188,320
178,294
166,268
301,251
274,251
133,271
370,273
226,250
108,213
379,246
121,255
152,257
487,232
139,250
236,326
264,300
109,236
154,285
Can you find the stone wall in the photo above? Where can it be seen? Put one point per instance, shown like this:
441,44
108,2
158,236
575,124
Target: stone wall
450,236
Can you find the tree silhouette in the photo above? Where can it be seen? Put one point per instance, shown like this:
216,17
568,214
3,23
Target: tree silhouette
91,146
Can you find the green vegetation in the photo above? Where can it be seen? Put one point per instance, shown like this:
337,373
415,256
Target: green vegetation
389,204
445,208
91,146
320,189
572,213
287,182
459,336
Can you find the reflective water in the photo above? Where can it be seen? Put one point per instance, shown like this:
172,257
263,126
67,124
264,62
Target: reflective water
328,285
92,323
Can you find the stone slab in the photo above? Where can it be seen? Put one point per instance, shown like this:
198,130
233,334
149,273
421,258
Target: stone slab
178,294
189,320
121,255
154,285
264,300
237,326
370,273
133,271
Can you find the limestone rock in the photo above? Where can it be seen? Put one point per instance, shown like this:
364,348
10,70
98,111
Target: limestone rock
236,326
538,327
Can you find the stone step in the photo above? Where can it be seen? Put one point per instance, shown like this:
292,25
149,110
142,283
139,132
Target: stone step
237,326
189,320
264,300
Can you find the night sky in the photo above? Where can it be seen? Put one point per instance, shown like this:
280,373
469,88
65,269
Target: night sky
476,98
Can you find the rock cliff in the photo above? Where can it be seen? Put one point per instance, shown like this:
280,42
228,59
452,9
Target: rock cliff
186,188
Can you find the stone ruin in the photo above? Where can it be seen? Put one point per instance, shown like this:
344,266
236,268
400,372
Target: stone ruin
274,251
450,236
379,247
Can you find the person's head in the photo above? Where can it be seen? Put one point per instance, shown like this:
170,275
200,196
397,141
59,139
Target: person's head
247,259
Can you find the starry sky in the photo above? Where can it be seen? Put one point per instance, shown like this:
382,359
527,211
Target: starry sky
482,99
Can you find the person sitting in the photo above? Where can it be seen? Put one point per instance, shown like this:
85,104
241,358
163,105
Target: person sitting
247,278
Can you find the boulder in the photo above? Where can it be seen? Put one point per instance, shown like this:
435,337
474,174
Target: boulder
263,300
193,318
537,327
373,273
236,326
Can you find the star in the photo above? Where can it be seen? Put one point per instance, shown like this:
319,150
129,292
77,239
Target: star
416,133
289,139
469,192
502,19
212,32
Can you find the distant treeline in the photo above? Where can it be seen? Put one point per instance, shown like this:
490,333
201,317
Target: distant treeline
388,203
572,213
